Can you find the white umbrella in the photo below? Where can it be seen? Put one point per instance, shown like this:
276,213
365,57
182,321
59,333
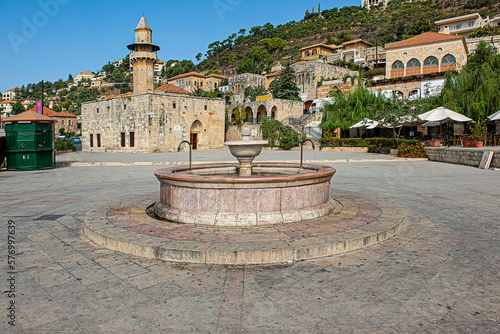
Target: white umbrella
365,123
494,116
443,114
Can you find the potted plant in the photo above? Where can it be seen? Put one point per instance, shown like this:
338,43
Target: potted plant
478,133
434,142
467,142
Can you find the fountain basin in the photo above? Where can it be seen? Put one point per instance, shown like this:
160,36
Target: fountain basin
214,194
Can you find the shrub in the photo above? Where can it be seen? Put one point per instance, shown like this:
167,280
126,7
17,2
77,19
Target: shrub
278,134
411,150
65,145
375,145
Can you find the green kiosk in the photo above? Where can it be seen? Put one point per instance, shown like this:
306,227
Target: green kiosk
30,141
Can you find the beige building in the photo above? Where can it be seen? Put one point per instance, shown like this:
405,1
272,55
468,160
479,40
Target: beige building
461,25
151,121
10,94
426,53
310,75
193,80
316,51
84,76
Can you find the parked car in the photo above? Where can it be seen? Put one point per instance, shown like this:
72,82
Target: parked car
77,140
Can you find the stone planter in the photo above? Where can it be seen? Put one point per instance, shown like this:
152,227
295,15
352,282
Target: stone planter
476,143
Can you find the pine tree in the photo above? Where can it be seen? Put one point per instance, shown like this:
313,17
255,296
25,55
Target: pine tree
285,86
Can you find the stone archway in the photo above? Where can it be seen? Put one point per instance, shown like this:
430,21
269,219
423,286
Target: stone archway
274,112
261,113
195,134
249,115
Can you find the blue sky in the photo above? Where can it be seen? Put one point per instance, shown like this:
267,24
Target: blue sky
49,39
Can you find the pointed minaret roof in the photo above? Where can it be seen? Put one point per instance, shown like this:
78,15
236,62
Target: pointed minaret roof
143,25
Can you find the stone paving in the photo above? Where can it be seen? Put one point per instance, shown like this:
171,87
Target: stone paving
440,274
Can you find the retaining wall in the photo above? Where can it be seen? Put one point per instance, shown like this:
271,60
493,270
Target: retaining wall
462,155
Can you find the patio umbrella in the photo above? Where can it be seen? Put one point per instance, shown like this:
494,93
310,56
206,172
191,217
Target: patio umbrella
441,114
365,123
494,116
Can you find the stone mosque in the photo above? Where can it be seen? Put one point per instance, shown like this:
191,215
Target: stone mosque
149,121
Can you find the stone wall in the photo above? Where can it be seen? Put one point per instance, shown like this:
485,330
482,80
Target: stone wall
233,132
239,82
153,122
462,156
310,73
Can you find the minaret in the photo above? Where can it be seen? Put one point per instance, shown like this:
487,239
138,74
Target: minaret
143,58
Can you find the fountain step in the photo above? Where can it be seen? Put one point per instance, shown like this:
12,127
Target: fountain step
355,223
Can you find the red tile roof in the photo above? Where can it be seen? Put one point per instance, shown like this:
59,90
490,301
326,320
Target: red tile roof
108,97
319,44
51,113
127,93
86,73
425,38
274,73
189,74
28,116
8,101
356,41
169,88
220,76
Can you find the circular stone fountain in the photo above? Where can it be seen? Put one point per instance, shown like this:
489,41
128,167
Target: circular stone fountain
239,214
244,194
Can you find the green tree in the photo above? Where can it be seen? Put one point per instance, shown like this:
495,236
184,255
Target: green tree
198,57
350,109
17,108
253,91
273,44
285,86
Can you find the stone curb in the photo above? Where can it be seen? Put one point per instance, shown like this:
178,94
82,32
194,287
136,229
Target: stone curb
166,163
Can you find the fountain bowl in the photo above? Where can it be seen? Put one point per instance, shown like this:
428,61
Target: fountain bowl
215,194
245,148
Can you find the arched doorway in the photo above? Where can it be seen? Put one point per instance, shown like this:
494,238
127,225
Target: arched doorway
261,113
195,131
274,112
249,115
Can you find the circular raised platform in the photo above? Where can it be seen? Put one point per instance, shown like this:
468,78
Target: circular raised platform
355,223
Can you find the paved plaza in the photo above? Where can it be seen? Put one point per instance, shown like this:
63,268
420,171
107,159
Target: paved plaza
440,274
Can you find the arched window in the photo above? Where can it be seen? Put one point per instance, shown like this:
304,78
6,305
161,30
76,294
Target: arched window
315,52
459,26
398,69
448,63
471,24
431,65
413,67
306,53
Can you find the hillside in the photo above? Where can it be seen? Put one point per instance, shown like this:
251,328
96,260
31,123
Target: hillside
398,21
